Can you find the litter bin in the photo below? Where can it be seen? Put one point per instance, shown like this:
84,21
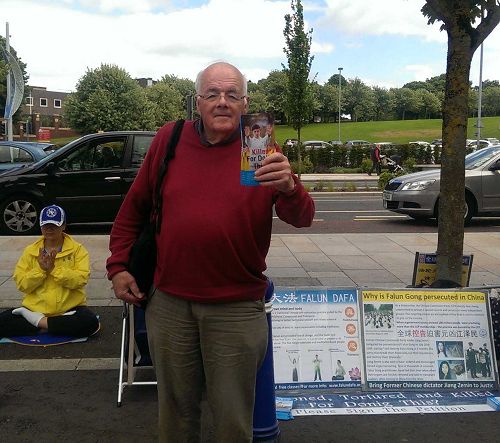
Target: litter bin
265,424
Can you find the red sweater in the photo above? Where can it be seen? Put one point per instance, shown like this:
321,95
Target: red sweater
215,233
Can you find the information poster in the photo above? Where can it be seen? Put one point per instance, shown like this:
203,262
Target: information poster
425,269
427,339
316,339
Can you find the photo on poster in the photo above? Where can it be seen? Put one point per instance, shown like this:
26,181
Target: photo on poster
449,349
379,315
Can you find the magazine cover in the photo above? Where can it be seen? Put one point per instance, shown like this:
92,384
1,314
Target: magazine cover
257,141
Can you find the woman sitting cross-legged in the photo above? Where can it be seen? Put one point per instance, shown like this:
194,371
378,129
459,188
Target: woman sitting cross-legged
51,273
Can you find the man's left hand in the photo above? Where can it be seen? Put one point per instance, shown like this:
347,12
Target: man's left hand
276,171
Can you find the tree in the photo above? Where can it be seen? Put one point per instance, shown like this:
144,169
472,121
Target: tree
404,100
458,17
430,104
491,101
108,99
328,96
297,50
334,80
384,103
358,100
274,88
167,103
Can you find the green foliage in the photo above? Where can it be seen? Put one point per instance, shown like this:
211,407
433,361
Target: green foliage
108,99
409,164
384,178
319,186
307,166
366,165
297,50
166,101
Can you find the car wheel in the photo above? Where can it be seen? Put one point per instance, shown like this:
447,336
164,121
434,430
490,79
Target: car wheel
470,208
19,216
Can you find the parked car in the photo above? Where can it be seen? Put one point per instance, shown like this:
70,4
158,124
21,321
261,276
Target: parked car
316,144
290,142
17,153
417,194
483,143
351,143
420,143
335,142
493,140
437,143
88,177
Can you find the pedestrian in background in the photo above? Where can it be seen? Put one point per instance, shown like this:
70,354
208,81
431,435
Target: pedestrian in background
375,158
205,315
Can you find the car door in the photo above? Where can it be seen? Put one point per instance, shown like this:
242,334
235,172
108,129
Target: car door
137,147
491,188
87,180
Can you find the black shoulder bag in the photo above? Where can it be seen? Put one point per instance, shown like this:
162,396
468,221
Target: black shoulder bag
142,259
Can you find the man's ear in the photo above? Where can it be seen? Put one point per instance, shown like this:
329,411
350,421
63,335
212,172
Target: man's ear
246,100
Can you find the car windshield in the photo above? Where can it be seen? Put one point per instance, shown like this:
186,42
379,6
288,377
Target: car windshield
480,157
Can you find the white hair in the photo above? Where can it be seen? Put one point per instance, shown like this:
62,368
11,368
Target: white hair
197,83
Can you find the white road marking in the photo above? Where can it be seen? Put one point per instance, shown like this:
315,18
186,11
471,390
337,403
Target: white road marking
347,212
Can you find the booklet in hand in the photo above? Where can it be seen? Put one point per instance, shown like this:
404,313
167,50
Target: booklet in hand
257,142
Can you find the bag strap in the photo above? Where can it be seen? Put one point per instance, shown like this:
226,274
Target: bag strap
162,171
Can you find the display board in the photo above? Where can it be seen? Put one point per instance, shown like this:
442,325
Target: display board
427,339
425,269
316,338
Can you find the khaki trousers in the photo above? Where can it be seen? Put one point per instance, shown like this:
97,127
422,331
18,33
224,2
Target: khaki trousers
220,344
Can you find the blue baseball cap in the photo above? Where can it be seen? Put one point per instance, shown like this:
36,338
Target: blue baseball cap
52,214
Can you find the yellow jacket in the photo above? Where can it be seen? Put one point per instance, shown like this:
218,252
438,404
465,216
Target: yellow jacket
60,290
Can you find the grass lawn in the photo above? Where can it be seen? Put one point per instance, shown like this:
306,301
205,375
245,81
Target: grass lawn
398,131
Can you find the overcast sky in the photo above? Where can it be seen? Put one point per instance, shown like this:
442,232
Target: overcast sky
383,42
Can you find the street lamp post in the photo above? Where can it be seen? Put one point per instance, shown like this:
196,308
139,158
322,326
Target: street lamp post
340,88
479,102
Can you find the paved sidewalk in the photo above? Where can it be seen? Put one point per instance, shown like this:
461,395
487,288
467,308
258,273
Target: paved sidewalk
331,260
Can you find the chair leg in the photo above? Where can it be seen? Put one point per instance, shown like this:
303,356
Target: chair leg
122,356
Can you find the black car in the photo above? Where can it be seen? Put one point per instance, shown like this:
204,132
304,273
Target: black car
88,177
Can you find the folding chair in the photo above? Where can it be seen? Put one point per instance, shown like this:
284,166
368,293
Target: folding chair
134,352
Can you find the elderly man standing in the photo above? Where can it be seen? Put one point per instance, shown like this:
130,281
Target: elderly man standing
205,315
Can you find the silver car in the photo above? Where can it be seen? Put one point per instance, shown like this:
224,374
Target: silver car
417,194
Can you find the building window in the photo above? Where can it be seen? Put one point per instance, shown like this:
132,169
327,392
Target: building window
57,103
43,102
29,101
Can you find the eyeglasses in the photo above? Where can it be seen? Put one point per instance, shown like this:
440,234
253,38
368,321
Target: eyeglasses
230,97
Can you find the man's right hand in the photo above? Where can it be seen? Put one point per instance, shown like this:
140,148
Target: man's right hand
126,289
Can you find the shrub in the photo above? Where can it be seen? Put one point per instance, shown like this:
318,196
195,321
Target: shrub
409,164
307,166
366,165
384,178
319,186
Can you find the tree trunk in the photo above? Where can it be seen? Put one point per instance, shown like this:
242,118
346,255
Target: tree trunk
452,208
